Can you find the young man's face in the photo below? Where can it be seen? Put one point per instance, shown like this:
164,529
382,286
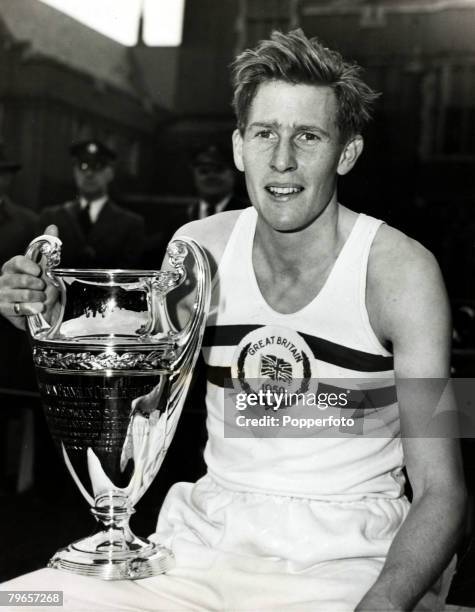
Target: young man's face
291,153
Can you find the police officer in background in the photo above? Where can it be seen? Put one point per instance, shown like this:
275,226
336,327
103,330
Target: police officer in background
96,233
214,177
214,184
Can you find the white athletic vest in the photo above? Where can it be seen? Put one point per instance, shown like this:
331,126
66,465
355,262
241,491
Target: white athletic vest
329,340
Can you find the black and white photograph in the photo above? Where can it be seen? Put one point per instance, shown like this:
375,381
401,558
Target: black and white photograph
237,305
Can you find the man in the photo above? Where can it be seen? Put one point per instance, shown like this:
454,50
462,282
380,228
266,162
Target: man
318,292
96,233
214,180
18,226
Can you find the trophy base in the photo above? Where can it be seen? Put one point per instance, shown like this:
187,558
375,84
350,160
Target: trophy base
151,560
114,553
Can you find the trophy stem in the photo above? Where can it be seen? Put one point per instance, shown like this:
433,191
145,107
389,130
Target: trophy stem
114,553
114,513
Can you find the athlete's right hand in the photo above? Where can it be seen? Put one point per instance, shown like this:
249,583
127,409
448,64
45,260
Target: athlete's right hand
23,291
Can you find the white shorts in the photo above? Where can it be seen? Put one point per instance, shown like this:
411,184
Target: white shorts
246,551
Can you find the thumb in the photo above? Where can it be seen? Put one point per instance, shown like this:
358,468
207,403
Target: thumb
52,230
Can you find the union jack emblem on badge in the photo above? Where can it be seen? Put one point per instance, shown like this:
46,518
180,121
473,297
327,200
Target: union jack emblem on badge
276,368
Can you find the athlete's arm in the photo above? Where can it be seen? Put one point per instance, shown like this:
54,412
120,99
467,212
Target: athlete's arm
409,309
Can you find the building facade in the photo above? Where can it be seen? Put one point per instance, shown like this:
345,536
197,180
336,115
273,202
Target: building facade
59,82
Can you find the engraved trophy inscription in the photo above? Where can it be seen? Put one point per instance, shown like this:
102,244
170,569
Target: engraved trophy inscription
113,373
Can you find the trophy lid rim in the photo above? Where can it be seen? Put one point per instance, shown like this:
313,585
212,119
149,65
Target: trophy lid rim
109,272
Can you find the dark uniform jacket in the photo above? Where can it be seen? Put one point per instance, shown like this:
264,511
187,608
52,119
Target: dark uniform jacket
18,227
115,240
234,203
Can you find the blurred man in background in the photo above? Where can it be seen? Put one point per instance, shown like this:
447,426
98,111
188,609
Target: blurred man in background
214,177
18,226
96,233
214,182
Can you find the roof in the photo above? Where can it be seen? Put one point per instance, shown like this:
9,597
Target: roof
343,6
53,34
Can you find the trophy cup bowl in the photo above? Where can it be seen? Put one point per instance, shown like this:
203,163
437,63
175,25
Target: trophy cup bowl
113,372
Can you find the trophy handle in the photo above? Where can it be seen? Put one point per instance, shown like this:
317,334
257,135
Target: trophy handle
188,340
190,337
50,248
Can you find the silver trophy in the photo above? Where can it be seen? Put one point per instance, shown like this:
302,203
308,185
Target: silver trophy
113,373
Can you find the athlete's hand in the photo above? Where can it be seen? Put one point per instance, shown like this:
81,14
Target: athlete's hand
23,291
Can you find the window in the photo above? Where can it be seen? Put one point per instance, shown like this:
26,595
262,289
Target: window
372,16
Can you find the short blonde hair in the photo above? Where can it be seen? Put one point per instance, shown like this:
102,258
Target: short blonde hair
294,58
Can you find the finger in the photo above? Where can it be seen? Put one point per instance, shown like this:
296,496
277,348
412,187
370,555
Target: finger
11,281
10,296
21,265
52,230
18,309
23,281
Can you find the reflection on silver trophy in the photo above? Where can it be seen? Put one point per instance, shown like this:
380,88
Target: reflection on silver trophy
113,372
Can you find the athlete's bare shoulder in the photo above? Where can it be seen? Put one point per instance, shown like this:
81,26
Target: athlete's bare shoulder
403,280
395,255
212,233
